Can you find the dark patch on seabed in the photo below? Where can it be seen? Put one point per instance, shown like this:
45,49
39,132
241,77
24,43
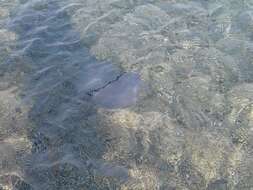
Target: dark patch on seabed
126,94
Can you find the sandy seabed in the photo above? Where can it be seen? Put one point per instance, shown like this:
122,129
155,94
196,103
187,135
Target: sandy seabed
126,95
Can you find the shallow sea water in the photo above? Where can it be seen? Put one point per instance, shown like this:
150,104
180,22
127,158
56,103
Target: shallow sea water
126,94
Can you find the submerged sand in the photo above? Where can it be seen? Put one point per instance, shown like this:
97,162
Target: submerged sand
126,94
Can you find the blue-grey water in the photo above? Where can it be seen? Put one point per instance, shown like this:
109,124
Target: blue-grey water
126,94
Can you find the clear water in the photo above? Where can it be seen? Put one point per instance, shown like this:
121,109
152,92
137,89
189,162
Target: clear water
126,94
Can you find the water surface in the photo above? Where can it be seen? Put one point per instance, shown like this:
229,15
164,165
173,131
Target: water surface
121,94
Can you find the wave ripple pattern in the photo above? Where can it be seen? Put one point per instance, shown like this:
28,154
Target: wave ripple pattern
126,95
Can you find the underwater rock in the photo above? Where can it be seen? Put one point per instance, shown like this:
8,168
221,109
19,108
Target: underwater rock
120,93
